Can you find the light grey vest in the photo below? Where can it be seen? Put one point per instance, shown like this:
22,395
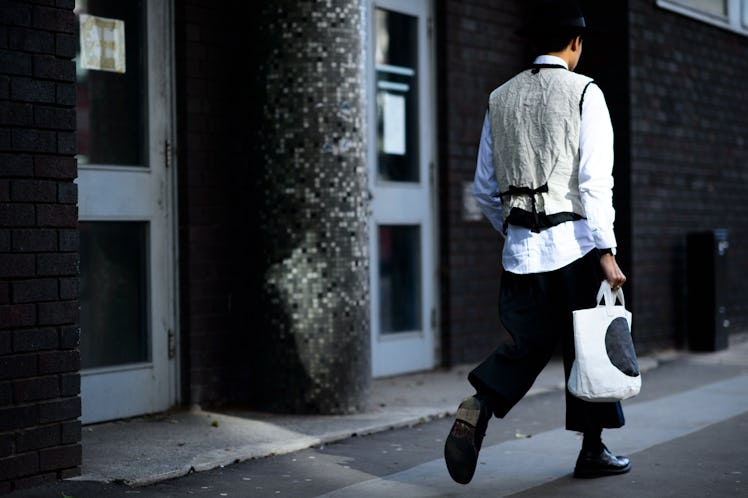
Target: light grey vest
535,120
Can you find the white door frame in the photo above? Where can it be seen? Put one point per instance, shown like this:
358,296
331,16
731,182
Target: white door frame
116,392
392,202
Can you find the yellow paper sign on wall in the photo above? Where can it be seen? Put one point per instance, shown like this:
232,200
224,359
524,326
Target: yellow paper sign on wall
102,43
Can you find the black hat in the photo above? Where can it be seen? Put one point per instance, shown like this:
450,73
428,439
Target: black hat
552,17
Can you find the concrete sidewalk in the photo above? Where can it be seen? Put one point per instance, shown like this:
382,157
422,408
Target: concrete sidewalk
146,450
686,430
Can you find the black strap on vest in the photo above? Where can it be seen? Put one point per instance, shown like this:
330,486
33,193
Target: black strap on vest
537,67
525,191
538,221
581,101
533,220
531,192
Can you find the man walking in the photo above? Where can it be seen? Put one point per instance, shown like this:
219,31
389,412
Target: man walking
544,180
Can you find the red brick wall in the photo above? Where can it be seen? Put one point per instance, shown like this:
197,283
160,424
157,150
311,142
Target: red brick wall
688,161
39,334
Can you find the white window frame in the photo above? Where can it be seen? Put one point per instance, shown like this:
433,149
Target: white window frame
736,19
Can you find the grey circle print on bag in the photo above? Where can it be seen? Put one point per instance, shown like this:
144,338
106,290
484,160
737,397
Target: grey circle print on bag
620,347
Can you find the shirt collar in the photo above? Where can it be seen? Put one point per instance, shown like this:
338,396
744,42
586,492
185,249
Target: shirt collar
551,59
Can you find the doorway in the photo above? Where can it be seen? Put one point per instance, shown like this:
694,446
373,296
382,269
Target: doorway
126,208
401,183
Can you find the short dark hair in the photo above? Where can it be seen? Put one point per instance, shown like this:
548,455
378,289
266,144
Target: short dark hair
549,25
544,43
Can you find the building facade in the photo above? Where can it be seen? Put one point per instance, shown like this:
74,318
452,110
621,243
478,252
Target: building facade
211,203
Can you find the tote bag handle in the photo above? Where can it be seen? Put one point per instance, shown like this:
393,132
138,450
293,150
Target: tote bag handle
610,297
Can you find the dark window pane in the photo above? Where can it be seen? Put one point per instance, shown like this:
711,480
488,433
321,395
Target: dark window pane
713,7
114,312
110,107
399,278
397,96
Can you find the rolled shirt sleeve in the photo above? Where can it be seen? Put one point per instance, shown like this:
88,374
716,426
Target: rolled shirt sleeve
596,167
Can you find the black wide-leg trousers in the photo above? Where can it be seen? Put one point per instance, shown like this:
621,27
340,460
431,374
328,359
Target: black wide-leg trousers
536,310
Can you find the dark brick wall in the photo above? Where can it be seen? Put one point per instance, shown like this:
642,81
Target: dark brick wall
214,217
688,161
605,58
679,152
39,334
477,51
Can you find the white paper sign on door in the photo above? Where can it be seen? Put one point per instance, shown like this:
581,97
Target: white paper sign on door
102,43
394,123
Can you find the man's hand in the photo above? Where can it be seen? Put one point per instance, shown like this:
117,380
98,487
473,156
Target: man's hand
612,272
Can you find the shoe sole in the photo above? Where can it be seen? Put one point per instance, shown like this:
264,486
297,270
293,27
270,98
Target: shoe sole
469,411
591,474
459,450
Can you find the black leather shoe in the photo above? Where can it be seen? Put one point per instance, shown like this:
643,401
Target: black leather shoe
465,438
598,464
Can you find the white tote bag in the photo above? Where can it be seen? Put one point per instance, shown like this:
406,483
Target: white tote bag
605,367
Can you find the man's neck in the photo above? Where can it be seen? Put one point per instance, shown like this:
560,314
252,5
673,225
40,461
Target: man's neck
564,55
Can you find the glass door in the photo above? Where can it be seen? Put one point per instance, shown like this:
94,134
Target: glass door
125,184
401,184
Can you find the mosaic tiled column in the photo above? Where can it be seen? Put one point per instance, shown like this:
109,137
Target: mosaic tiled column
313,332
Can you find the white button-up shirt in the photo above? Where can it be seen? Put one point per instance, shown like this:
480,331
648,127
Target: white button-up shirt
555,247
